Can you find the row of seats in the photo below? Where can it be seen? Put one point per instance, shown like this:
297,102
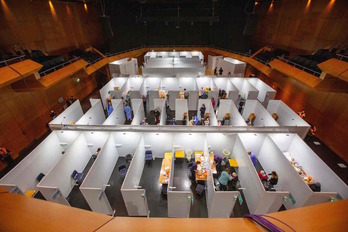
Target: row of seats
89,56
268,56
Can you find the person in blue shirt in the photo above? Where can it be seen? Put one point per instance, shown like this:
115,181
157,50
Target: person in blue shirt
128,111
109,108
224,179
253,158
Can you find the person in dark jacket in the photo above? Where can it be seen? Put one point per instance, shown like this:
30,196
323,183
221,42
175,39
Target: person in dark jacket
273,180
202,111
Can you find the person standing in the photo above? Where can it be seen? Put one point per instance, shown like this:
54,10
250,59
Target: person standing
215,71
213,102
157,116
144,102
109,108
224,179
302,114
221,71
186,94
263,177
128,111
202,111
253,158
5,154
273,180
53,115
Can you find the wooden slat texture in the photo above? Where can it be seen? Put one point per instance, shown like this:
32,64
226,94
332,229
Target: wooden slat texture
96,66
59,75
298,74
21,69
336,68
20,213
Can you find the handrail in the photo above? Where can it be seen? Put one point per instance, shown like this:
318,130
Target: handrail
299,66
342,57
12,59
44,73
262,61
94,61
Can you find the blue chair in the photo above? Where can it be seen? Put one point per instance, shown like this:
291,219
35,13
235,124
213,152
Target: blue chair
195,120
77,176
40,176
148,155
122,170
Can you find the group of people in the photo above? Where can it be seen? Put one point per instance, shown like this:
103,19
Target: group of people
220,71
5,155
70,101
268,183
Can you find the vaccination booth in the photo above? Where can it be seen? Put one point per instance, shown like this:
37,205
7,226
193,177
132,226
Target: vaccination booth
94,116
228,114
181,112
209,110
257,115
266,93
24,177
259,200
246,90
58,183
307,169
117,117
138,111
286,117
69,116
160,105
231,67
225,84
112,89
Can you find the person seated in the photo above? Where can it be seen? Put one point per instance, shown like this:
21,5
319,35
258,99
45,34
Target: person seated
273,180
316,187
263,177
224,179
195,119
224,95
226,120
191,122
219,123
143,122
97,153
251,119
207,121
275,116
234,181
201,92
157,115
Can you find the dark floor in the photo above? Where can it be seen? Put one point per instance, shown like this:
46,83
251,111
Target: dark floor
182,183
149,181
75,198
150,118
113,192
85,103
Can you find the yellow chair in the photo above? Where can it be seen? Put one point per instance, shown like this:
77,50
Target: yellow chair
233,163
30,193
168,155
179,154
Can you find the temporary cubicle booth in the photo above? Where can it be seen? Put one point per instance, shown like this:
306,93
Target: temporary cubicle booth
69,116
133,87
138,111
23,177
262,117
246,90
112,89
226,84
266,93
286,117
228,106
258,199
94,116
160,104
213,62
117,117
181,108
209,109
302,160
207,83
58,183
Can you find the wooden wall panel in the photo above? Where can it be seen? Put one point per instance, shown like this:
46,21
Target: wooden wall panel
290,26
32,25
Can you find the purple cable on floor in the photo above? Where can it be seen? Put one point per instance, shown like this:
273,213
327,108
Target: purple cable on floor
265,223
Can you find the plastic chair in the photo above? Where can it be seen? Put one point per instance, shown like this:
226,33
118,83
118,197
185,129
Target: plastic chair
122,170
40,176
148,155
77,176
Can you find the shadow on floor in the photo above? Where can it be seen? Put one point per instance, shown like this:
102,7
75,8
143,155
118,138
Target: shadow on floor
113,192
156,201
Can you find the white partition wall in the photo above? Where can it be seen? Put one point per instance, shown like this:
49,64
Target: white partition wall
193,100
94,116
213,61
98,176
117,117
124,66
151,95
134,197
287,117
180,108
152,83
205,82
228,106
232,66
262,117
72,114
188,83
58,183
160,104
292,146
126,142
266,93
172,96
169,83
158,143
258,200
110,86
138,111
24,174
248,91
